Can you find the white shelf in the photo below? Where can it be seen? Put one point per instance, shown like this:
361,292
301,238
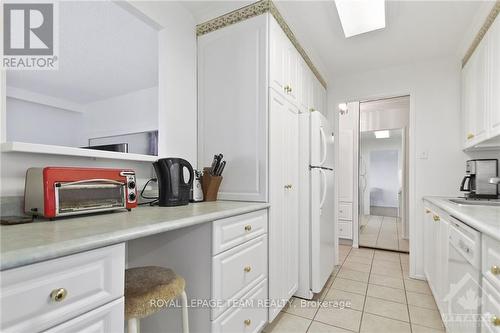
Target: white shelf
34,148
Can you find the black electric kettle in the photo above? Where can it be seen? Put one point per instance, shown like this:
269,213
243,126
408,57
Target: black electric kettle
173,190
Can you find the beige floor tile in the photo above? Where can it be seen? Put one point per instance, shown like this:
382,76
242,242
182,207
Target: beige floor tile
404,245
357,266
394,272
376,324
303,308
421,300
343,318
359,260
417,286
317,327
349,274
386,264
391,294
387,281
387,256
355,301
362,252
287,323
423,329
387,309
405,258
350,286
425,317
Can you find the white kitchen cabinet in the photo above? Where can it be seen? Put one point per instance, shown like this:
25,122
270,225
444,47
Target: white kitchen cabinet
283,213
490,308
480,98
232,107
494,83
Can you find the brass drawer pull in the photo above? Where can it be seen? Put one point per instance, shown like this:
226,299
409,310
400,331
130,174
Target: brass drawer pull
58,295
495,321
247,322
470,136
247,269
436,218
495,270
427,211
248,227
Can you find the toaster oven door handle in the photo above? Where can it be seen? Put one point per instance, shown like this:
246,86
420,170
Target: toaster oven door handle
83,182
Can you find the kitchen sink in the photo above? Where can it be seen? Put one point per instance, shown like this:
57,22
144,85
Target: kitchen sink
476,202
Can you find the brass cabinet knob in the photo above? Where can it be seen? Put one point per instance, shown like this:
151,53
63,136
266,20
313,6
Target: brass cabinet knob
289,89
286,89
436,218
58,295
427,211
248,227
290,186
495,321
470,136
247,322
247,269
495,270
311,110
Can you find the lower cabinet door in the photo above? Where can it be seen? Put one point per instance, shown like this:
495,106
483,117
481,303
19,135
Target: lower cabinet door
248,315
108,318
490,308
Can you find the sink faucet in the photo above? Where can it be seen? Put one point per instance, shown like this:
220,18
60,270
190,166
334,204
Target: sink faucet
495,180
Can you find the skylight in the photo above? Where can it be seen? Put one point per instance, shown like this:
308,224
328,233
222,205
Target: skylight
382,134
360,16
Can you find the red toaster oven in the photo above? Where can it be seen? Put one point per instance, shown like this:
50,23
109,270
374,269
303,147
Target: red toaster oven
60,191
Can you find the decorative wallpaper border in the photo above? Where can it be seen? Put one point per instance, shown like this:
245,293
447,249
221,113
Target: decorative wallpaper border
480,35
252,10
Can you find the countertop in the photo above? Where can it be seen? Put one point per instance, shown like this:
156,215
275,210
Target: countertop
25,244
485,219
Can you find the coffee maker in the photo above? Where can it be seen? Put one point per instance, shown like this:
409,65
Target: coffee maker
477,180
173,190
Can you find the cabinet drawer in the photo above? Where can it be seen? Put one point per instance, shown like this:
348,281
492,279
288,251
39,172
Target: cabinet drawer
249,317
345,211
237,270
345,229
91,279
491,261
490,308
236,230
104,319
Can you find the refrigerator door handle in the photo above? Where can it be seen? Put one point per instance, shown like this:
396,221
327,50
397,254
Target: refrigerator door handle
323,196
323,144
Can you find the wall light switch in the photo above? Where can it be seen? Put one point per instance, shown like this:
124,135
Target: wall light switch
423,155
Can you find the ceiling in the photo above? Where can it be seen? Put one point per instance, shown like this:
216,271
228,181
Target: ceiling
116,53
416,31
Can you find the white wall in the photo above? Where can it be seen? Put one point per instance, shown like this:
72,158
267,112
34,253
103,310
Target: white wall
177,116
38,123
434,89
129,113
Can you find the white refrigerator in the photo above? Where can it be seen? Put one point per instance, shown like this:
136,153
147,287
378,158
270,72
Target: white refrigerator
318,239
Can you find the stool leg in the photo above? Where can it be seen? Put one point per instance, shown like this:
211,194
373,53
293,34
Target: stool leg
133,325
185,320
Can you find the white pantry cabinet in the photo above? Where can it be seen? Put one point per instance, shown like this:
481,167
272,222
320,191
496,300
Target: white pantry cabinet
252,85
480,97
283,213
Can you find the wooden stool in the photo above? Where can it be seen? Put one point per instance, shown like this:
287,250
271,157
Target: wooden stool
144,286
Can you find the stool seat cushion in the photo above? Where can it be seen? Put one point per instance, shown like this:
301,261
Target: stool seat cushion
145,285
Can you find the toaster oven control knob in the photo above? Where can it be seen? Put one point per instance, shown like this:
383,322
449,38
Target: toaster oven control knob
131,196
131,184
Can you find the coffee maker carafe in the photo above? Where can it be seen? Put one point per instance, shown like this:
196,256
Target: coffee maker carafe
173,190
477,179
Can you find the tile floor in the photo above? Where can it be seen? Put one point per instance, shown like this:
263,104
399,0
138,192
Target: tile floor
382,232
381,298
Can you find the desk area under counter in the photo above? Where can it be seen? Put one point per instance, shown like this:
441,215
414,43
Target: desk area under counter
219,248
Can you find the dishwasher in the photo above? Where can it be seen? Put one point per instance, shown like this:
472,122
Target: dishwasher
463,301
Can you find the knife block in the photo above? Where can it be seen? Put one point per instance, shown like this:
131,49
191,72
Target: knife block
210,186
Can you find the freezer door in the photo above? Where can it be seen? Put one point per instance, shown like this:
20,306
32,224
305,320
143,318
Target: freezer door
323,230
321,141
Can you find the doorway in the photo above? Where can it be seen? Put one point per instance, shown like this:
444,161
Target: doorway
383,174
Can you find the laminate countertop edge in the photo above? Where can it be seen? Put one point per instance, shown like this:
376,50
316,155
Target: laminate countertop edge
485,219
30,243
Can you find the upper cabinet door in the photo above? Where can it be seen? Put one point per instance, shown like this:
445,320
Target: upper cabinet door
232,106
291,70
278,58
494,91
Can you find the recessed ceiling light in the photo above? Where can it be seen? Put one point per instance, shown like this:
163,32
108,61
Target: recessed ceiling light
360,16
382,134
343,107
